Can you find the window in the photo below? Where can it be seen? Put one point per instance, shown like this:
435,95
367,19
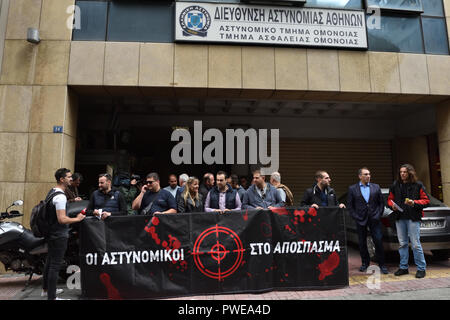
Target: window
397,34
433,8
434,27
344,4
141,21
415,26
92,21
414,32
404,5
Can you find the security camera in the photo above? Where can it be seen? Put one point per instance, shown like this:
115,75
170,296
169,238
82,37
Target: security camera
33,35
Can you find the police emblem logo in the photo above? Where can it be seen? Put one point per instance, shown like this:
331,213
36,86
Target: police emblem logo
195,21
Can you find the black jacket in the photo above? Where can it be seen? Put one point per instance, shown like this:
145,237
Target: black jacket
113,201
414,191
183,207
203,190
312,196
363,211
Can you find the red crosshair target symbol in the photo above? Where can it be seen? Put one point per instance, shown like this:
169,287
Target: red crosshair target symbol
218,252
214,259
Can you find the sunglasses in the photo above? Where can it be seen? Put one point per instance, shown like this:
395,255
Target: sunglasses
149,182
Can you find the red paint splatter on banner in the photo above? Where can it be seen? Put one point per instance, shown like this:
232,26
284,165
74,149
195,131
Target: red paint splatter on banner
281,211
152,232
174,243
326,268
155,221
245,216
113,293
300,214
150,229
183,266
286,227
312,212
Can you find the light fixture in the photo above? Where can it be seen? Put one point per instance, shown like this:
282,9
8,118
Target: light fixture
33,35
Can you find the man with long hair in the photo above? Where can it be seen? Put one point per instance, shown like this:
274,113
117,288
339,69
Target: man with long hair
407,198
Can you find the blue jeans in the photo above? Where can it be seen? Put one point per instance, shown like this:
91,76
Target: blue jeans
410,229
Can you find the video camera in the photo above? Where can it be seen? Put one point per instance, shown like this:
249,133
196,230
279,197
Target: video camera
124,179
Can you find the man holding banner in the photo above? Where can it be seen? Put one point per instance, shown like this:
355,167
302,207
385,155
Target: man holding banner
222,197
321,194
153,199
261,195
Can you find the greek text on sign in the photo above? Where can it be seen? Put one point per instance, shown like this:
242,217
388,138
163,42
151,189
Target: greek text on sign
292,26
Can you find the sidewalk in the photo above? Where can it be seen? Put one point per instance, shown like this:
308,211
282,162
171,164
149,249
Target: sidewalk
438,277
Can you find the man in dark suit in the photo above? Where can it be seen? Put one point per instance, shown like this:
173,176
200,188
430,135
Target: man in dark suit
366,205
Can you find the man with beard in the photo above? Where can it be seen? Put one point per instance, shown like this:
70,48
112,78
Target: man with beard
72,190
223,197
321,194
407,198
261,195
173,185
206,186
58,233
106,201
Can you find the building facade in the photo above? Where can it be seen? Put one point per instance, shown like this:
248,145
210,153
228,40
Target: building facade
109,81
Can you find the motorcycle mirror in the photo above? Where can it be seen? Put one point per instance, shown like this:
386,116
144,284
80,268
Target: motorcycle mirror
18,203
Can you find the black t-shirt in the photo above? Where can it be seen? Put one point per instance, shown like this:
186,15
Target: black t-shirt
162,201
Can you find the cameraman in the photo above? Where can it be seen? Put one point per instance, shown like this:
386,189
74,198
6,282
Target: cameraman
130,191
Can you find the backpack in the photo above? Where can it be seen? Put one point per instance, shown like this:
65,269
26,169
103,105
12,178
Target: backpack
289,195
40,221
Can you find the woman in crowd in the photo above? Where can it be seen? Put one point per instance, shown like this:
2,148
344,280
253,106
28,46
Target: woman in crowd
191,200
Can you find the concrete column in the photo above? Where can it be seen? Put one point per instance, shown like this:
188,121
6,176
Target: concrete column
34,98
443,131
4,6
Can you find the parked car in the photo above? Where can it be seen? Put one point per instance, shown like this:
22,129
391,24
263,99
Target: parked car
434,228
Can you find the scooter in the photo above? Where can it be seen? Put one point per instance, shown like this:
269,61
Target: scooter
22,252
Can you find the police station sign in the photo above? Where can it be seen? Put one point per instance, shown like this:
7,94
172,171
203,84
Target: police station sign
291,26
